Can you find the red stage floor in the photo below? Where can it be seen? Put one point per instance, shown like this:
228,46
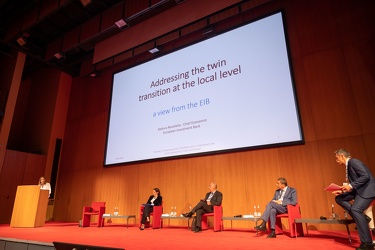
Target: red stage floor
119,236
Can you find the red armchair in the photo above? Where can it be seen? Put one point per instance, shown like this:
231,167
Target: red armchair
97,208
218,215
294,212
156,214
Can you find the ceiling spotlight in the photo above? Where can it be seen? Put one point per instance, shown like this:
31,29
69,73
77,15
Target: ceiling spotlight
59,56
121,23
21,41
85,2
207,31
154,50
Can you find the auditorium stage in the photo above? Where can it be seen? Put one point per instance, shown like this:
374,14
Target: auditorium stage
119,236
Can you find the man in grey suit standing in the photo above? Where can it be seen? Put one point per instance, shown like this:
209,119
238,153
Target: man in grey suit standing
284,196
361,189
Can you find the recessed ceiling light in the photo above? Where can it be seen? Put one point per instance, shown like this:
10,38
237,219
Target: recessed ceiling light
154,50
121,23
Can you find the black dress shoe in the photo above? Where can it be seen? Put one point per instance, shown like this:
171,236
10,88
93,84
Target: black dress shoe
198,230
261,227
188,214
272,234
365,246
368,219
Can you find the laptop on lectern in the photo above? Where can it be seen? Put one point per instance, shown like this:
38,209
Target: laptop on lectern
74,246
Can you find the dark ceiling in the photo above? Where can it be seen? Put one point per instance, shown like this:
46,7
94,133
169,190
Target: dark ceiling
35,26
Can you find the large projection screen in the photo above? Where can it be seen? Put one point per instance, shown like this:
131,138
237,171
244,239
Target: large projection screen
231,92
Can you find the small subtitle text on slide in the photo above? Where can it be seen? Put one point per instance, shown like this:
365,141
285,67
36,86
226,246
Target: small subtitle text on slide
185,149
181,127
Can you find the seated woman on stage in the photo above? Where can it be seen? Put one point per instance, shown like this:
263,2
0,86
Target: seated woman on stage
154,200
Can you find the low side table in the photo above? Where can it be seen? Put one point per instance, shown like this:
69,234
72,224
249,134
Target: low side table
255,219
127,217
345,222
177,218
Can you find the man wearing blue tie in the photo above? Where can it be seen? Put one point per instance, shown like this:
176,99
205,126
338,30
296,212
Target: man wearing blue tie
283,196
361,189
212,198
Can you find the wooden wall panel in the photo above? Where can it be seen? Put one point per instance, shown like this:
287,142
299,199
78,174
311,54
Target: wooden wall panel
93,131
354,20
102,186
47,7
169,182
68,153
303,101
10,177
196,174
360,61
111,16
229,171
316,27
297,164
80,184
261,168
37,113
129,198
133,7
13,170
31,17
291,34
62,197
199,173
71,38
330,95
35,166
369,141
90,28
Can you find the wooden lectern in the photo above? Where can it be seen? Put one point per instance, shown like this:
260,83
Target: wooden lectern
30,207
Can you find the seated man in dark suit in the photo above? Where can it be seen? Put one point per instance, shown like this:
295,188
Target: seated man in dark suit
284,196
212,198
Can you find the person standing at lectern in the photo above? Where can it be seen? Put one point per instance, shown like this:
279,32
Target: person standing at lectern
44,185
361,189
212,198
283,196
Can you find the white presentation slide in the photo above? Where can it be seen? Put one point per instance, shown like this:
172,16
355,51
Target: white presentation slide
230,92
